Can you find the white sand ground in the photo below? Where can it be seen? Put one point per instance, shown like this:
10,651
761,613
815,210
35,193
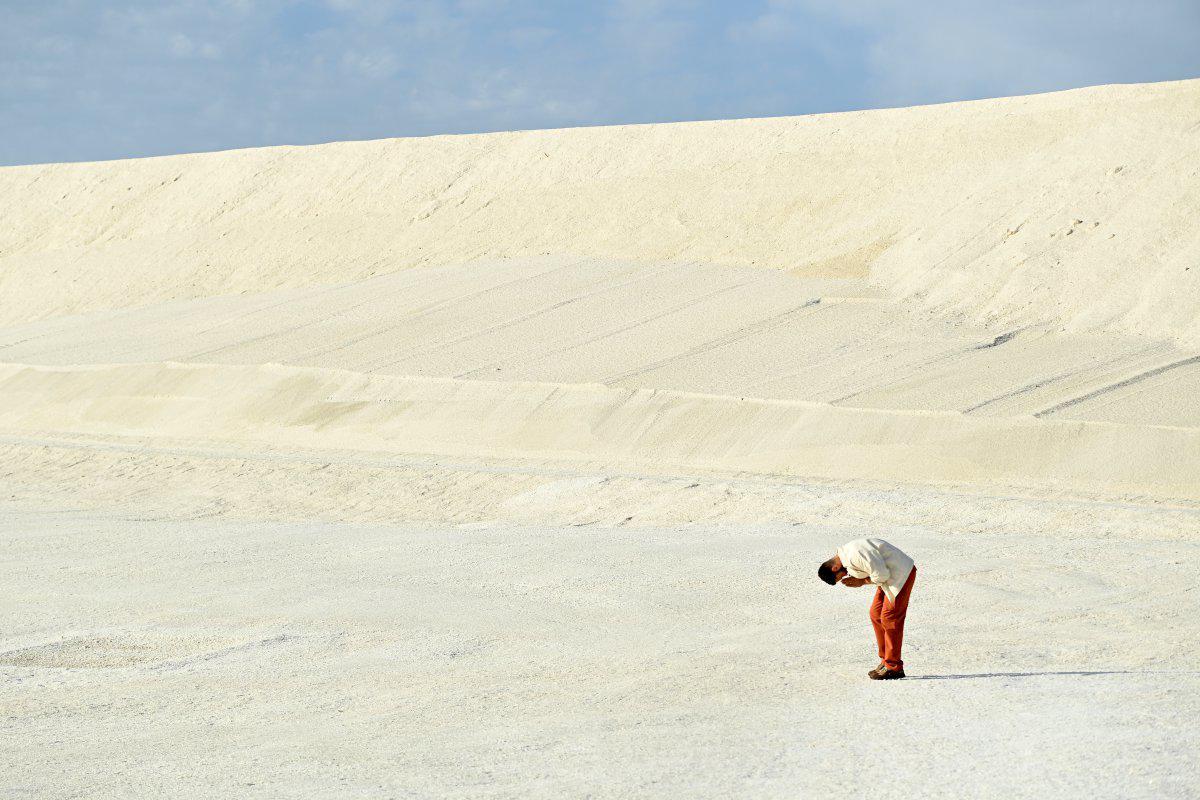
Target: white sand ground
498,466
205,657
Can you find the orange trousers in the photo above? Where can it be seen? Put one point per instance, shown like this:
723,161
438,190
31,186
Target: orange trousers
888,620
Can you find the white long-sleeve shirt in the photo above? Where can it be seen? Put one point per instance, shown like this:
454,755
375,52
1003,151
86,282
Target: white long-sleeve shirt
883,564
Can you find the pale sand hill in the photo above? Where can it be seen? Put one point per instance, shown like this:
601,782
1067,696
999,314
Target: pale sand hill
1076,208
682,366
498,466
693,327
998,292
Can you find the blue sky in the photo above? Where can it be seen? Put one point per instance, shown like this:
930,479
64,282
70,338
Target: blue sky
96,80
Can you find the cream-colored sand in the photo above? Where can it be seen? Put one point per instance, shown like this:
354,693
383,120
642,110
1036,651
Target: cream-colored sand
680,364
499,466
1077,208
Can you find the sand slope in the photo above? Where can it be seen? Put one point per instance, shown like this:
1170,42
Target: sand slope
687,365
692,327
314,408
499,466
1076,208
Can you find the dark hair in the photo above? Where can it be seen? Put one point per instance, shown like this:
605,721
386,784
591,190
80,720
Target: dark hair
825,571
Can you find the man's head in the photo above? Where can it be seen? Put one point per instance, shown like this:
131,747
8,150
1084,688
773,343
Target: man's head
832,571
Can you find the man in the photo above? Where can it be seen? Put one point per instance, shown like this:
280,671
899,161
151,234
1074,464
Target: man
883,565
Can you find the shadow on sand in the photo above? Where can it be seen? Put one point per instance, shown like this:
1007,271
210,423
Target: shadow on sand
1024,675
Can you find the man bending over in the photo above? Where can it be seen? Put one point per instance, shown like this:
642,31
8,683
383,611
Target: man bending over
875,562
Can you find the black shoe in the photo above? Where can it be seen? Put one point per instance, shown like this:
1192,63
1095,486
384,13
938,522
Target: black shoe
886,674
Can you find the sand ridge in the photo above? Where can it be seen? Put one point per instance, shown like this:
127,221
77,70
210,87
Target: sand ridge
1076,209
306,407
500,466
701,365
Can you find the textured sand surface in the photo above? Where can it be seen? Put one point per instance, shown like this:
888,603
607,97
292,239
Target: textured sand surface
297,407
1074,208
684,364
498,466
261,659
693,327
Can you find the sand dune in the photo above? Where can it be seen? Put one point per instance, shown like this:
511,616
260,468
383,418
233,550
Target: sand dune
691,327
1076,209
497,466
689,364
1010,259
313,408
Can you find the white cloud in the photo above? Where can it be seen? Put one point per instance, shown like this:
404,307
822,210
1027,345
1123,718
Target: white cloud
949,49
54,45
181,45
778,21
371,11
651,30
375,65
270,71
532,36
482,6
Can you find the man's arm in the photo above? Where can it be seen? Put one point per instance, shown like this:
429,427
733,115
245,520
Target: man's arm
864,563
876,568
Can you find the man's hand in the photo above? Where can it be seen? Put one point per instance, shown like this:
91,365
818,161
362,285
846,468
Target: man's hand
854,582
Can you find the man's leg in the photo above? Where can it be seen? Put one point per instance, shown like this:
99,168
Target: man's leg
877,621
892,622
